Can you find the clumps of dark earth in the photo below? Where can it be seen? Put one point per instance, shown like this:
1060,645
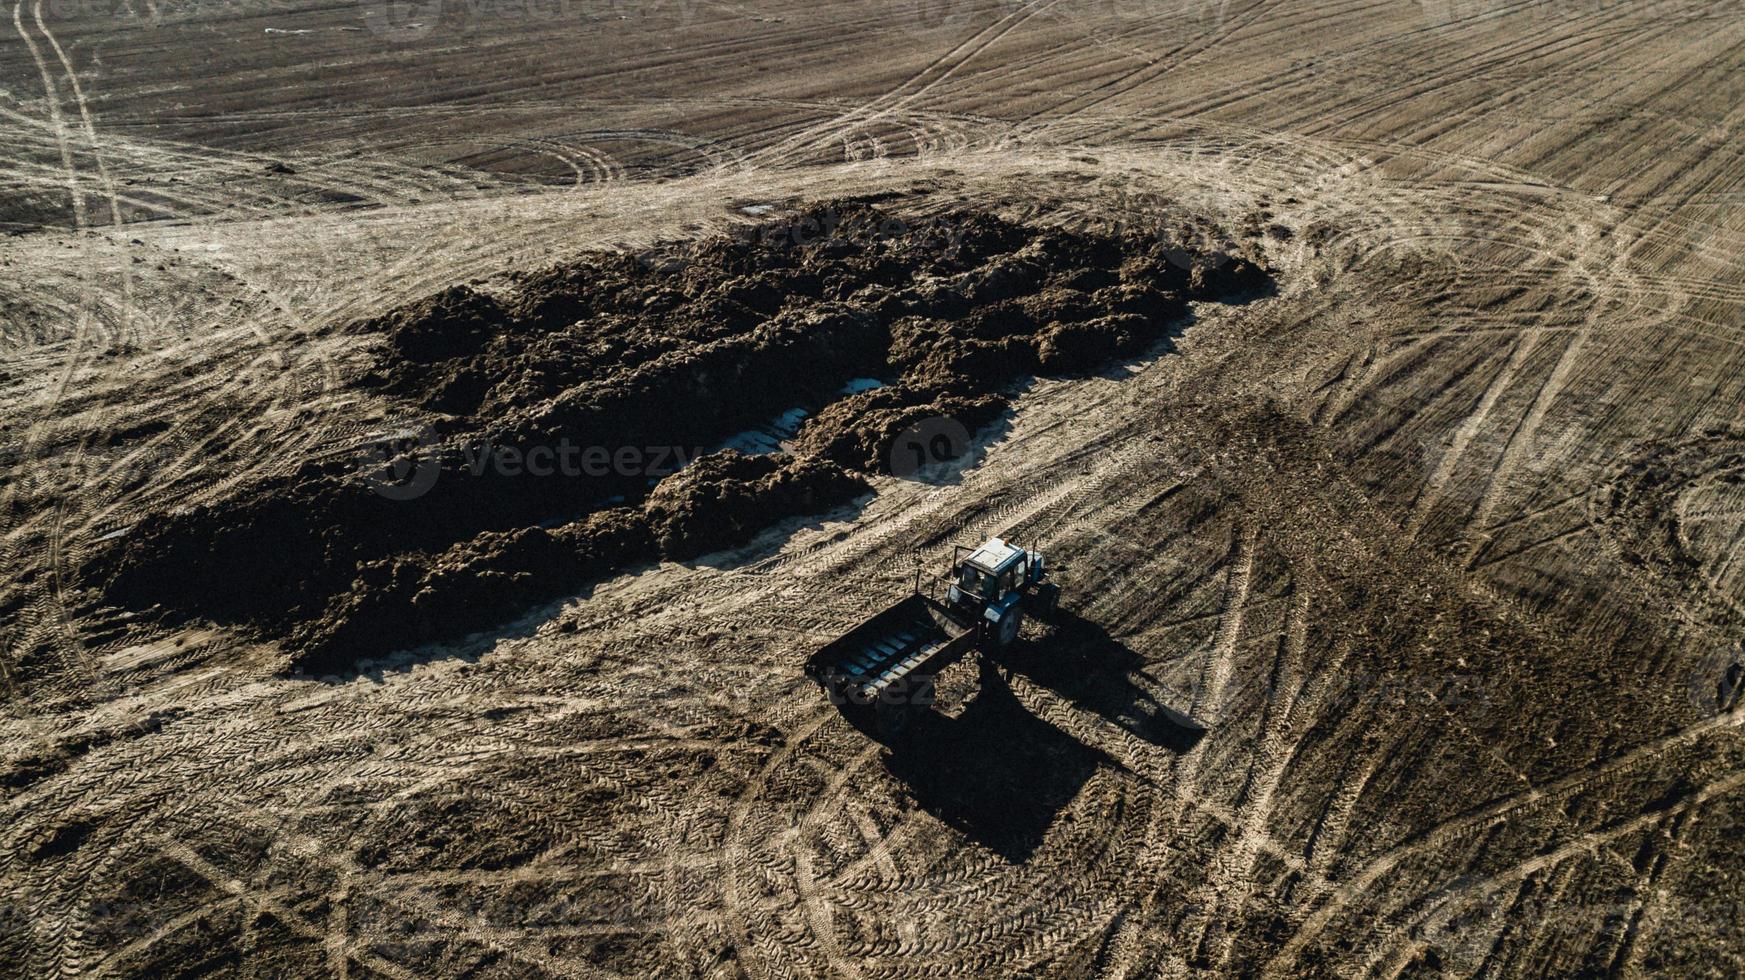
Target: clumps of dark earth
563,371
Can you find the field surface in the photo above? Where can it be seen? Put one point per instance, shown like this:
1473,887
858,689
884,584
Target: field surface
1440,538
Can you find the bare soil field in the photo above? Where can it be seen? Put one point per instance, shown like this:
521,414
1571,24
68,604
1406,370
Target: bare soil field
1370,373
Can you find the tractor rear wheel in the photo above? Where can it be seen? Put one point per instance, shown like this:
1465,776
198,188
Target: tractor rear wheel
1047,599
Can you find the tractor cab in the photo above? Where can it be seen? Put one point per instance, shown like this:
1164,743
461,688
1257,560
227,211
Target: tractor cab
989,583
989,573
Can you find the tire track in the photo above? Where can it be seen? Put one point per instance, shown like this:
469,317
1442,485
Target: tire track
1448,831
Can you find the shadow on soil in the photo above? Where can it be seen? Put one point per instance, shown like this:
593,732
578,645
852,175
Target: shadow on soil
996,772
1082,663
1003,776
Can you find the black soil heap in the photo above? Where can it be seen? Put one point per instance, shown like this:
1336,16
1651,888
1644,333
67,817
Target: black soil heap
680,349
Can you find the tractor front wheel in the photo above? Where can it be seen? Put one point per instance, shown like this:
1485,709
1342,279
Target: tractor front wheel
1006,630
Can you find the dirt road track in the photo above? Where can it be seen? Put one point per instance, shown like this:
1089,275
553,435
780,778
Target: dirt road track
1442,540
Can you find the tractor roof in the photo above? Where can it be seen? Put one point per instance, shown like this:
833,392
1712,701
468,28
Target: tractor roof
995,555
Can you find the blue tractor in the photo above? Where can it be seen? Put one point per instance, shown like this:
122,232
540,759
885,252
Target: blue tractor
888,664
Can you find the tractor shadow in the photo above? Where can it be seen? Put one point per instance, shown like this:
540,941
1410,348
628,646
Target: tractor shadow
1003,776
996,772
1078,660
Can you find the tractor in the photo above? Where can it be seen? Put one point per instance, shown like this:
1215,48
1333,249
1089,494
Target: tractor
888,664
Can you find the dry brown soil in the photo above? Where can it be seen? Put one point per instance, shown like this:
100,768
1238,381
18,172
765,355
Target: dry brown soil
1440,540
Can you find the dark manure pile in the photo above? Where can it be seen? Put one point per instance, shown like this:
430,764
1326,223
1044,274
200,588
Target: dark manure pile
570,405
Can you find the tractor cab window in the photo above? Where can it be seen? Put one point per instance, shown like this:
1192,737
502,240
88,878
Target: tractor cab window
975,581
